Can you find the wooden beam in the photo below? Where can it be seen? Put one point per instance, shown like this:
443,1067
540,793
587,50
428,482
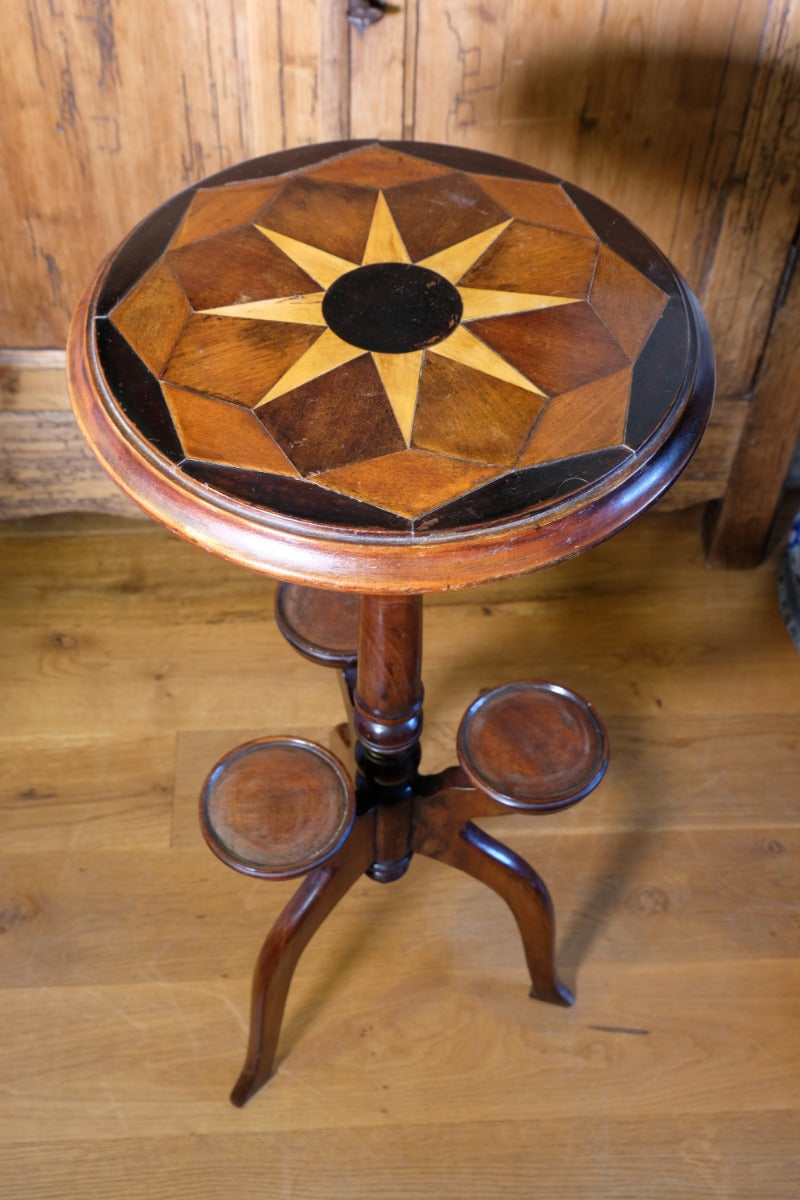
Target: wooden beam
706,476
739,532
45,465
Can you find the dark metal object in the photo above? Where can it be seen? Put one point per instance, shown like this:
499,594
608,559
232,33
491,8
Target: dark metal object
362,13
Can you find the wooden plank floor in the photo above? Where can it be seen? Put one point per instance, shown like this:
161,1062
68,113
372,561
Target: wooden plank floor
412,1063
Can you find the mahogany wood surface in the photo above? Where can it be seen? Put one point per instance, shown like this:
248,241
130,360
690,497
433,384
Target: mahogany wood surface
388,693
533,745
321,625
490,862
277,807
390,367
289,936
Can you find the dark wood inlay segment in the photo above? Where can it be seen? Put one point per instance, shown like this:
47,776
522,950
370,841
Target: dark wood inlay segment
623,238
392,308
658,374
232,268
436,213
343,417
528,489
294,497
143,248
528,259
137,391
237,360
559,348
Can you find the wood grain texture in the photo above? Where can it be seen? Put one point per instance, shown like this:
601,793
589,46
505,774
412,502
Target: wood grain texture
739,531
393,481
235,360
467,414
412,1061
599,409
276,807
655,111
380,53
79,83
532,746
758,224
529,259
535,343
738,1153
45,465
214,273
321,625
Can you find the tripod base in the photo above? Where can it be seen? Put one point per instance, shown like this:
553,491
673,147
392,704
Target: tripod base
280,807
439,833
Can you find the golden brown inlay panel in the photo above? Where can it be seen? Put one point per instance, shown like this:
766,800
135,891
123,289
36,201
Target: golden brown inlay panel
410,483
216,209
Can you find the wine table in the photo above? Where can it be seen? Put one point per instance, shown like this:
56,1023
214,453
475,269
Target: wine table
375,370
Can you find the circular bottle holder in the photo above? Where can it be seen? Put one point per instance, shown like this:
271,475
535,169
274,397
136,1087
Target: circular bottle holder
277,807
533,746
321,625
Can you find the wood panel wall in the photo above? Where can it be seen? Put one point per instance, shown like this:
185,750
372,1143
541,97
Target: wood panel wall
684,115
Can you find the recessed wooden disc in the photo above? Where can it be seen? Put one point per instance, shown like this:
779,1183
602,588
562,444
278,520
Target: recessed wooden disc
277,807
322,625
533,746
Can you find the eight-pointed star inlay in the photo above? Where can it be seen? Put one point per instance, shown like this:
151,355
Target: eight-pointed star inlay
399,370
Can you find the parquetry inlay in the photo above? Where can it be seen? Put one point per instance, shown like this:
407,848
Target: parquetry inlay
232,317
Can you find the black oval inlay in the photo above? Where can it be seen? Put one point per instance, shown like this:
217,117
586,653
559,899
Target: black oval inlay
392,308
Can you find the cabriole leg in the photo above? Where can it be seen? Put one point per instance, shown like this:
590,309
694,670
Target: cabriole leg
316,897
477,854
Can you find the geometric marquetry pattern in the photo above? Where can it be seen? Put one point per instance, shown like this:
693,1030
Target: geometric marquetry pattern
381,340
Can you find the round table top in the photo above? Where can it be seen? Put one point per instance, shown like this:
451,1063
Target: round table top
390,367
